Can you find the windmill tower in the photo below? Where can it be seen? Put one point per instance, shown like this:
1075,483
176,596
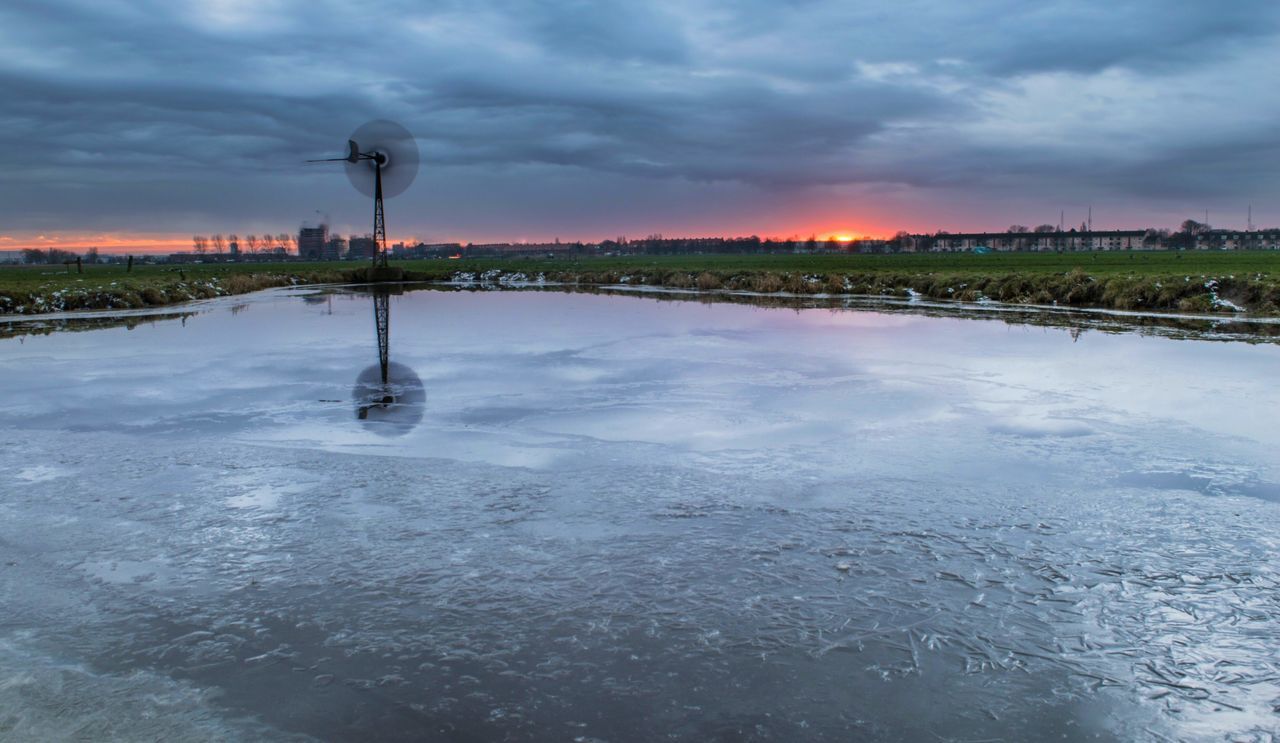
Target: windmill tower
381,161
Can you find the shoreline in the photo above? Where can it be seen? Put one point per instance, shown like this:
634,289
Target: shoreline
1218,295
1211,327
988,306
127,293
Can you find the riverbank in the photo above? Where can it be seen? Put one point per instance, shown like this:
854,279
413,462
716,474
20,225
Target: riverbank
1201,283
1076,288
37,290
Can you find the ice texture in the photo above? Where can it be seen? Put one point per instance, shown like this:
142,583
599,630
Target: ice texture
622,519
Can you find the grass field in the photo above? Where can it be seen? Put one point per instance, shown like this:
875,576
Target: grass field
16,278
1163,263
1164,280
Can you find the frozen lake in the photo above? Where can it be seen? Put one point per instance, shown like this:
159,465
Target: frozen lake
620,519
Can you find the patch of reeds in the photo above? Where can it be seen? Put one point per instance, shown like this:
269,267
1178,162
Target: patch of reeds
767,282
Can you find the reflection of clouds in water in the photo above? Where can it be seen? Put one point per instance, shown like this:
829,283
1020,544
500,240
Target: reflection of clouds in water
41,473
880,522
579,373
1206,479
1041,427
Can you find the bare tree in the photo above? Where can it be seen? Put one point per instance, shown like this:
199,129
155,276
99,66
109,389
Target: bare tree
1155,236
200,243
251,242
219,244
1019,228
1046,228
286,241
50,256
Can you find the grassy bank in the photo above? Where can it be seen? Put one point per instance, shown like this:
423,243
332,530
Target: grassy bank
1201,282
1205,282
32,290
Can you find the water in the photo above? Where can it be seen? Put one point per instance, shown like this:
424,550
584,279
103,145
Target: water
613,518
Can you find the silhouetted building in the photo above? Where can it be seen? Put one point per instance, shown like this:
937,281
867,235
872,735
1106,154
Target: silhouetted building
334,247
1238,240
311,242
234,247
1034,241
361,247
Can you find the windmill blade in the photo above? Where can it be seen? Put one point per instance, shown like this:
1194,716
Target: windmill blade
396,144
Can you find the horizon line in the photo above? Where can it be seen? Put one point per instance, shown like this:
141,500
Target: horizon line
116,246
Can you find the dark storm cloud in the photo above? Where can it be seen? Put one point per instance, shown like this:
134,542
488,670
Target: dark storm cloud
704,130
171,104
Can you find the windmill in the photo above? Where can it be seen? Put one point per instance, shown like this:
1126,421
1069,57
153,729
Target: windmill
381,161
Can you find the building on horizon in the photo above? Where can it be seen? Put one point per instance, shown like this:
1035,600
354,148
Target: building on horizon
311,242
334,248
942,242
359,247
1238,240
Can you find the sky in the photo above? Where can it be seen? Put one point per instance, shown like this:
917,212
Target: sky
138,124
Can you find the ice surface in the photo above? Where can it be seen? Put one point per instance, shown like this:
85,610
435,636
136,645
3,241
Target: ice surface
622,519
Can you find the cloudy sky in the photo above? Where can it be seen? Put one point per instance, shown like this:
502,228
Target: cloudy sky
131,122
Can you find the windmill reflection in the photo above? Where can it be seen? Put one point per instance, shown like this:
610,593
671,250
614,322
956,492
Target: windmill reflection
389,397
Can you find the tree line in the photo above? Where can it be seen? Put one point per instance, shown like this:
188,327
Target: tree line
251,243
58,255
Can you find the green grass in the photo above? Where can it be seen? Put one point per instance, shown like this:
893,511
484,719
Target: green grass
1155,263
15,278
38,289
1158,280
1152,263
1163,281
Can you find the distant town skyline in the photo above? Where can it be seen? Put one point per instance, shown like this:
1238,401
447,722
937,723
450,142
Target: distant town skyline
144,123
120,244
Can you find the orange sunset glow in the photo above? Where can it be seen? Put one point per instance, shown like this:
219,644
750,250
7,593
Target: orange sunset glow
156,243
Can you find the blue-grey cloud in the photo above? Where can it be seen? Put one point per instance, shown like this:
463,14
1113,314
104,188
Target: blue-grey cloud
193,115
